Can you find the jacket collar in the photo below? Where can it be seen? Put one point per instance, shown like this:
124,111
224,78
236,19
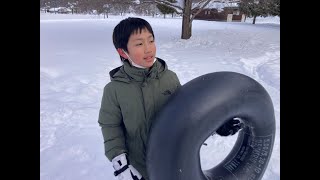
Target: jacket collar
127,72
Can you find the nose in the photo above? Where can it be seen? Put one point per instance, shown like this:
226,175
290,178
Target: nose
147,48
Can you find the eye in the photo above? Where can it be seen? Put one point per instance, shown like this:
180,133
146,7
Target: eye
139,44
152,41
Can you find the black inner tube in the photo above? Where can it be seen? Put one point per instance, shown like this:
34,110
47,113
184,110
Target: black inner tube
197,110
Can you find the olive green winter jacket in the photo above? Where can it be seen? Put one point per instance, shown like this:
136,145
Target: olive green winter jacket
128,105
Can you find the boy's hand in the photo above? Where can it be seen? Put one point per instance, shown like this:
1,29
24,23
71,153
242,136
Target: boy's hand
230,128
125,171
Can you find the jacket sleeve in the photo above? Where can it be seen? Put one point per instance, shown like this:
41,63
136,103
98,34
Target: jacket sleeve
177,80
110,121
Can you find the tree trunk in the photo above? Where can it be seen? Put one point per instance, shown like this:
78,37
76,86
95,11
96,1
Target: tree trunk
164,16
254,19
186,23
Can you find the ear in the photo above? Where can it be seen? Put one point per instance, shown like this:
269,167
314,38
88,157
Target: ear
121,53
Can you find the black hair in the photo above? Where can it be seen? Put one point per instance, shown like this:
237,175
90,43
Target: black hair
125,28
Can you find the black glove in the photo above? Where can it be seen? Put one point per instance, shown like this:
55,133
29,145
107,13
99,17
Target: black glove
231,127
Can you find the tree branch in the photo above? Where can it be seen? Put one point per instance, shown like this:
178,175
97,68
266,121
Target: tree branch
199,3
168,4
204,5
144,3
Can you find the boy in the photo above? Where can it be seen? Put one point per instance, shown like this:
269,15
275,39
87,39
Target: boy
137,91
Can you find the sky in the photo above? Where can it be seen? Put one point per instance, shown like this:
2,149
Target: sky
77,53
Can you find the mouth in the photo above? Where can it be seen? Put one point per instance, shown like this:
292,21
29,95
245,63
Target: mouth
149,58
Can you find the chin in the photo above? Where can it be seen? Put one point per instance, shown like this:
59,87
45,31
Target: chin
149,64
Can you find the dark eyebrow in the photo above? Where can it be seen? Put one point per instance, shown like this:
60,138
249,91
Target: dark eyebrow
142,39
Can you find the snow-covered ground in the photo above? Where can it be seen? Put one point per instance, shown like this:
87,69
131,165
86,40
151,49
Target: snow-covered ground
76,55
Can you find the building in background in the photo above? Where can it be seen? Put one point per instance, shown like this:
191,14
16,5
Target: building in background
221,11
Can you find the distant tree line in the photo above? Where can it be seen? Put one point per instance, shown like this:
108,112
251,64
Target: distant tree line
187,9
166,9
119,7
254,8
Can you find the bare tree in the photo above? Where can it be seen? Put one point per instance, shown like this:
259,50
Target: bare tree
273,7
188,9
122,6
73,5
85,6
146,7
165,9
45,4
255,8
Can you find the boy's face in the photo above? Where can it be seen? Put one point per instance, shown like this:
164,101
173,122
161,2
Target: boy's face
142,48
